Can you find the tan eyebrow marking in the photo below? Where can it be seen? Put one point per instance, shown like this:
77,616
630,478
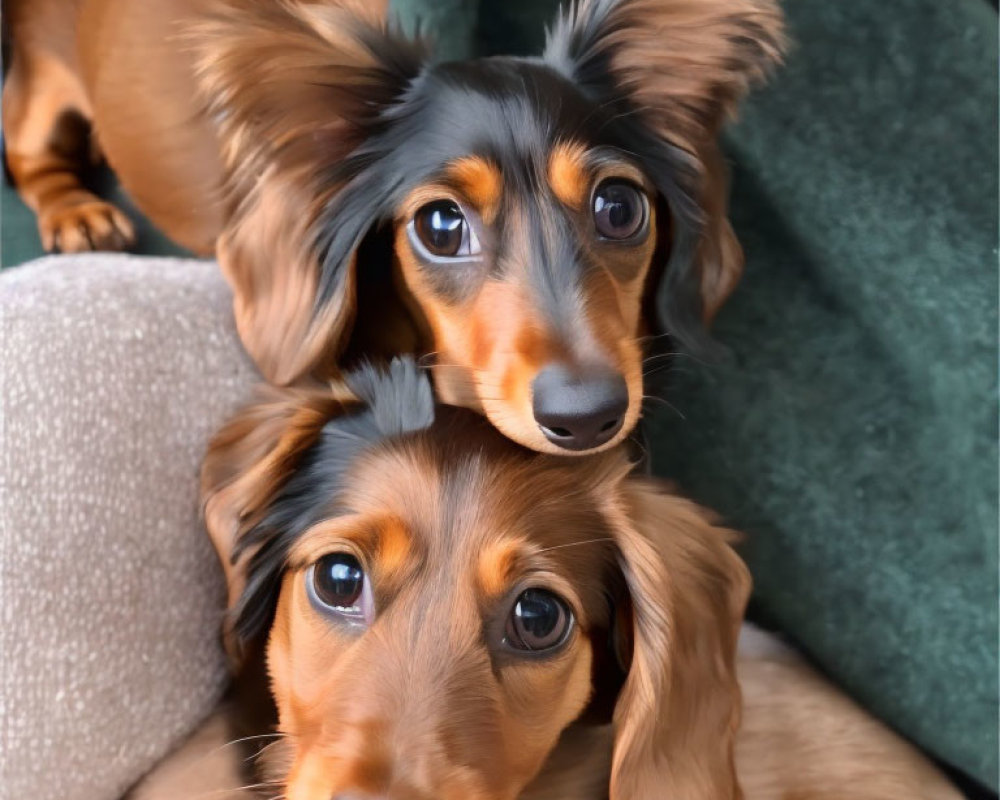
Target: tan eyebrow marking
495,566
395,547
568,174
329,534
382,538
480,181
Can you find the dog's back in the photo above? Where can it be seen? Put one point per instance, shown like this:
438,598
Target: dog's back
802,738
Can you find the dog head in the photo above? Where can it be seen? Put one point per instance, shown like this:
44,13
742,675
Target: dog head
527,222
449,615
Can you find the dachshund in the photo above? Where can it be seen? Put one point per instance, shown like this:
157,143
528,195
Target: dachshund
448,615
533,226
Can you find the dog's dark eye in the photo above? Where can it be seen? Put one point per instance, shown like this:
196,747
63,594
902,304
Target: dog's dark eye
619,210
538,621
338,580
337,585
444,231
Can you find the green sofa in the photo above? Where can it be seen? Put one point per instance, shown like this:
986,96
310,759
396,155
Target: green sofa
852,430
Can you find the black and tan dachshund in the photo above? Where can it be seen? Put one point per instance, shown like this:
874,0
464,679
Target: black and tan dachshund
529,225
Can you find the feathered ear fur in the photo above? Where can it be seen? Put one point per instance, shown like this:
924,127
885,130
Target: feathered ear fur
247,464
273,471
295,87
677,714
671,72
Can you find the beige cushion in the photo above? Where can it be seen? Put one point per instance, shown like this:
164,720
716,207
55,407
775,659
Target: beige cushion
114,371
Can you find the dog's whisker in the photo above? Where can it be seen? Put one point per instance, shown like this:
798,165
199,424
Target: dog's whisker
244,788
667,403
660,370
642,447
221,747
658,357
265,748
576,544
274,735
656,369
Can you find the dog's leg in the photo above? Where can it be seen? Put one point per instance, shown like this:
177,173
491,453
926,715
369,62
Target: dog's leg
46,119
802,738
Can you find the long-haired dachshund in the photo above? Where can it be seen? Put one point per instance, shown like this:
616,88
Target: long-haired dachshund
449,616
527,222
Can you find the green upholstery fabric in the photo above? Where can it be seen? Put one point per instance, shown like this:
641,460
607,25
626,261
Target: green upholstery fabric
19,240
18,235
853,432
467,28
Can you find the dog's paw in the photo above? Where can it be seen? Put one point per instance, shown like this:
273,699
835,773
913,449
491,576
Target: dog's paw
84,226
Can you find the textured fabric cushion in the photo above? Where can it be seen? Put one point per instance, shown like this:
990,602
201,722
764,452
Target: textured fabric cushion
114,371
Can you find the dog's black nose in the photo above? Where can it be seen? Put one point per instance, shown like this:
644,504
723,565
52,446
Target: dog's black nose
578,410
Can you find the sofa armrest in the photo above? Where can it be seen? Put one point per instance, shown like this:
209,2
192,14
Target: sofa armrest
114,371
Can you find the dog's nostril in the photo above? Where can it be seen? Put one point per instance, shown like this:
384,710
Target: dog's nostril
559,431
578,410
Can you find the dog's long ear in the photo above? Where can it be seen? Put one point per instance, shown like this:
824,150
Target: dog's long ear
296,87
274,469
670,72
251,458
678,711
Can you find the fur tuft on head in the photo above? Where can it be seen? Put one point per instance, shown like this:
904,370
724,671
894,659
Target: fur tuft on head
399,397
